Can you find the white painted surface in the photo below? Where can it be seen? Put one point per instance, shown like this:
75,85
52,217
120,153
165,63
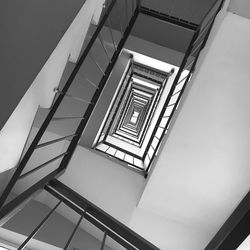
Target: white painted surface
14,133
203,170
240,7
105,183
167,234
245,244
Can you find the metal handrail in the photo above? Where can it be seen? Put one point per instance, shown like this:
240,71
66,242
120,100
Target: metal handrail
190,52
110,226
105,222
58,101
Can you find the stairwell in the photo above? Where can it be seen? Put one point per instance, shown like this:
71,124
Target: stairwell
181,209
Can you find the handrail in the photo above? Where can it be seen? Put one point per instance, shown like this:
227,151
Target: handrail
110,226
63,92
127,237
190,51
198,41
120,233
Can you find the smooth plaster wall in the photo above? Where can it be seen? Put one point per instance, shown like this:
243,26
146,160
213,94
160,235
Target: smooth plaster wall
167,234
108,185
203,172
240,7
15,131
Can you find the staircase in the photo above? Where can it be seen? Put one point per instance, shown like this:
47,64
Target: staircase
78,112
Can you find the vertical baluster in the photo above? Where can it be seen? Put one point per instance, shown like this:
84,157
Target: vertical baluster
103,46
103,240
97,65
91,83
73,233
111,34
138,3
38,227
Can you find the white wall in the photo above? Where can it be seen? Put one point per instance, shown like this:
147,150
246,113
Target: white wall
113,188
167,234
14,133
105,183
203,170
240,7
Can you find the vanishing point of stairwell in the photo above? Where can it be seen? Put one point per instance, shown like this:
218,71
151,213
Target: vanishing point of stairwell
109,94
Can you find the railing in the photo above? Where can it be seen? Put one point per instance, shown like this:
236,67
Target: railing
119,108
182,78
114,233
107,224
142,164
103,70
85,209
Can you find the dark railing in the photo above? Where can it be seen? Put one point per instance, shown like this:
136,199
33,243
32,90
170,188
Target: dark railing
142,164
118,111
235,229
111,227
86,211
113,8
107,224
182,78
